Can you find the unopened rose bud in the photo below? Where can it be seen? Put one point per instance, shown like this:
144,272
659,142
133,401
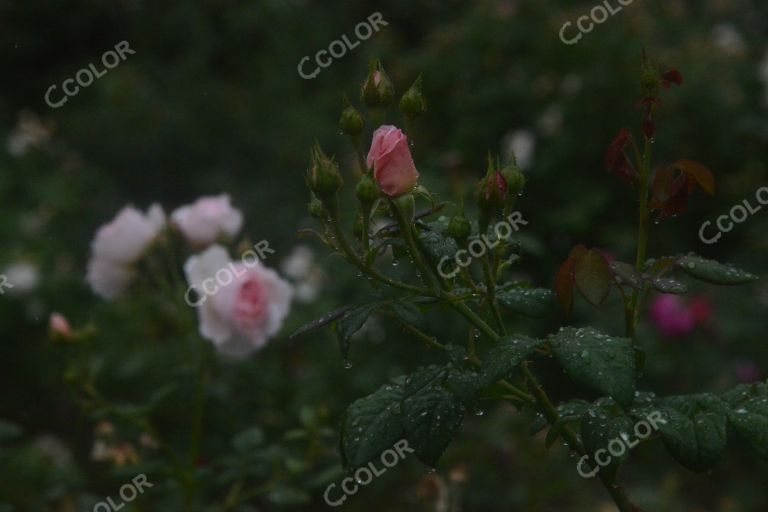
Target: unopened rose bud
377,90
459,228
413,103
351,121
491,192
323,177
367,190
514,177
59,327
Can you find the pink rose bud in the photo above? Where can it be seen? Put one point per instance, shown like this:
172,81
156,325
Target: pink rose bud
392,162
59,327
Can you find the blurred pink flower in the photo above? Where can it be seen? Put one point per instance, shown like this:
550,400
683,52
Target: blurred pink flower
242,310
674,318
392,162
208,220
59,326
118,245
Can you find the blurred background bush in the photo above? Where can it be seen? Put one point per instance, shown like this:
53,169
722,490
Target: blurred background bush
212,102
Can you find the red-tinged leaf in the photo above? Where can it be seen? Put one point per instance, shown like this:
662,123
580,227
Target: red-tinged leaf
699,174
593,276
616,161
669,191
672,76
564,285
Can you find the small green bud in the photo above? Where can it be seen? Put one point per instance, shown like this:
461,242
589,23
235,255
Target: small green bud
406,204
367,190
514,177
323,176
413,103
316,208
459,228
351,121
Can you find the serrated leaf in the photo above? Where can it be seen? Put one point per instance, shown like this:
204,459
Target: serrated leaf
713,272
593,276
371,425
350,323
604,363
321,322
669,285
437,245
408,313
431,413
694,432
748,415
569,411
504,357
526,301
599,429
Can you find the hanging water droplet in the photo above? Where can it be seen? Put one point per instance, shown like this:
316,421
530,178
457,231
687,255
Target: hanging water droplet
479,412
347,365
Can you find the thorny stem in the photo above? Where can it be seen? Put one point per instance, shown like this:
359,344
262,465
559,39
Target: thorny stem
540,396
550,412
355,259
644,215
490,288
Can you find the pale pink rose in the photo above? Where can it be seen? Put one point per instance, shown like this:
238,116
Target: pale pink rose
392,162
118,245
241,305
207,220
59,326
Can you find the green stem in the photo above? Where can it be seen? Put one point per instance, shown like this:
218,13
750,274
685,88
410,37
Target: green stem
406,229
355,259
644,217
490,291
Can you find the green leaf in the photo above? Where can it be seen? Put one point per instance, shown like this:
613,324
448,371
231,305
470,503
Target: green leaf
350,323
432,413
526,301
669,285
694,432
321,322
408,313
749,415
437,245
604,363
371,425
627,273
599,429
504,357
568,411
711,271
593,276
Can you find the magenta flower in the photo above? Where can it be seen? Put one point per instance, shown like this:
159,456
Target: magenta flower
673,318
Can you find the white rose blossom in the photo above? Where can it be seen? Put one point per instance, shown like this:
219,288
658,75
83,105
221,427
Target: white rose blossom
118,245
208,220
